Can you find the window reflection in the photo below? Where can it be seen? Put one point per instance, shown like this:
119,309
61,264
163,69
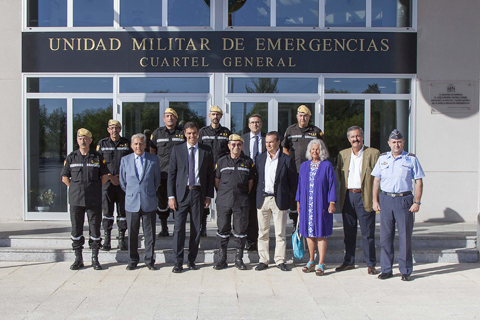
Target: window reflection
287,115
92,13
140,13
190,111
47,13
188,13
386,116
139,116
345,13
391,13
164,85
371,85
241,111
47,149
91,114
249,13
50,84
272,85
297,13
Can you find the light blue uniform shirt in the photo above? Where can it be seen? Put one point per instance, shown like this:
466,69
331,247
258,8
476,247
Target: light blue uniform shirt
396,174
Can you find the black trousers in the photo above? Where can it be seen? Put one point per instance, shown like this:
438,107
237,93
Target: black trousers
193,204
148,224
77,217
354,210
252,228
112,195
224,224
163,211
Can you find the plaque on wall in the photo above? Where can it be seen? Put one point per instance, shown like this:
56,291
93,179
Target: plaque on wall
452,97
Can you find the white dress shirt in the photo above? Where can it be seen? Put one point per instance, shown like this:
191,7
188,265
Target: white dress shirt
197,178
270,172
355,170
139,162
252,142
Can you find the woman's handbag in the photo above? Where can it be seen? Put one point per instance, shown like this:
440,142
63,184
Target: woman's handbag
299,244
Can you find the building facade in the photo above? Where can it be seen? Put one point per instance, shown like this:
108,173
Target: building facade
379,64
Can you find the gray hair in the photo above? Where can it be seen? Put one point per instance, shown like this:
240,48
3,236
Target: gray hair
354,128
324,155
141,136
256,115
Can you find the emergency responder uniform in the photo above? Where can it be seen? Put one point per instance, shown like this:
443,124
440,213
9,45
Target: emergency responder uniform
112,152
296,141
164,139
217,139
232,198
85,195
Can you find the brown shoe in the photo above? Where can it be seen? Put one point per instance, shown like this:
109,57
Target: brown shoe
345,267
372,270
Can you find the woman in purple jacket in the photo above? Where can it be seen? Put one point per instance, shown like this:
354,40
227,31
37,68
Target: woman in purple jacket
316,197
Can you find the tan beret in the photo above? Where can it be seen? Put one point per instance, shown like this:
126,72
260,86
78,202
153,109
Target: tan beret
303,109
235,137
115,123
84,132
170,110
216,109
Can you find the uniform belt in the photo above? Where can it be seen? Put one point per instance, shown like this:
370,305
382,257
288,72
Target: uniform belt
193,188
269,195
393,195
355,190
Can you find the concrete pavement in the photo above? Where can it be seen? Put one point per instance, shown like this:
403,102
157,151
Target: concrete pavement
49,290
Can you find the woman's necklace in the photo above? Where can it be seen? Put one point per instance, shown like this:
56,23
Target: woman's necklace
314,165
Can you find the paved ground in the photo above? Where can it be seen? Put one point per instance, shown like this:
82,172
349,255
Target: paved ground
35,290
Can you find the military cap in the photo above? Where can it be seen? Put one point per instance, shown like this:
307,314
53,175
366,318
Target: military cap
115,123
170,110
303,109
235,137
216,109
395,135
84,132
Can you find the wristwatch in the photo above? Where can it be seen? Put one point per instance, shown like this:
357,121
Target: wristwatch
418,202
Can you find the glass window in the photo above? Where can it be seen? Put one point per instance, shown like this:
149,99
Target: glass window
46,151
345,13
92,114
93,85
299,13
138,117
272,85
241,111
377,85
249,13
188,13
386,116
140,13
391,13
339,116
190,111
287,115
47,13
164,85
92,13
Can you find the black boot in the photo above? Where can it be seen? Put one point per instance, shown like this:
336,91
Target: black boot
239,260
203,230
122,242
78,260
95,264
222,259
107,244
164,232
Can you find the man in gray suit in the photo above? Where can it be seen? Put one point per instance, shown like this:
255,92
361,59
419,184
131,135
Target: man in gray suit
140,178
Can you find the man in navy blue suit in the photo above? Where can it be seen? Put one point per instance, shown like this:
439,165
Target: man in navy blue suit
140,178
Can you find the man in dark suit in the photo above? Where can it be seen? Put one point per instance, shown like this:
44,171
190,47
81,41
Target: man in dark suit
190,190
140,178
277,178
254,145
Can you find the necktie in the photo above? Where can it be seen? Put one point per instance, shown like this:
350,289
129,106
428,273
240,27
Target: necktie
255,148
140,167
191,167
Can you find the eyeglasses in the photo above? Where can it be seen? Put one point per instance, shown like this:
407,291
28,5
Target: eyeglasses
255,122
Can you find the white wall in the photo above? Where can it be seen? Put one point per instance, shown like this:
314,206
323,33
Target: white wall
448,144
11,179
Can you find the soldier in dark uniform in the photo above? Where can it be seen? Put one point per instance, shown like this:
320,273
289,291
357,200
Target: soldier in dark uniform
84,172
297,138
113,149
216,137
162,141
234,176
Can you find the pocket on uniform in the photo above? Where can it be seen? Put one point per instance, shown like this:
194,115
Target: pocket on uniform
76,174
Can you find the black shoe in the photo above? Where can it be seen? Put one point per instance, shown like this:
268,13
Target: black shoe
251,246
131,266
177,268
283,267
406,277
151,266
77,265
192,266
345,267
220,265
163,233
240,265
383,276
203,232
261,266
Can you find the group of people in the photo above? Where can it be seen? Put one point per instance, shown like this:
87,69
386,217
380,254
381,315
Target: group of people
256,176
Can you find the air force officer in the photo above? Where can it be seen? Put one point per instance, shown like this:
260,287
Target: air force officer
140,178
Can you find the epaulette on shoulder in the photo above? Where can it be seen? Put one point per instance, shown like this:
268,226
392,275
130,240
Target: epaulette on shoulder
411,154
383,154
